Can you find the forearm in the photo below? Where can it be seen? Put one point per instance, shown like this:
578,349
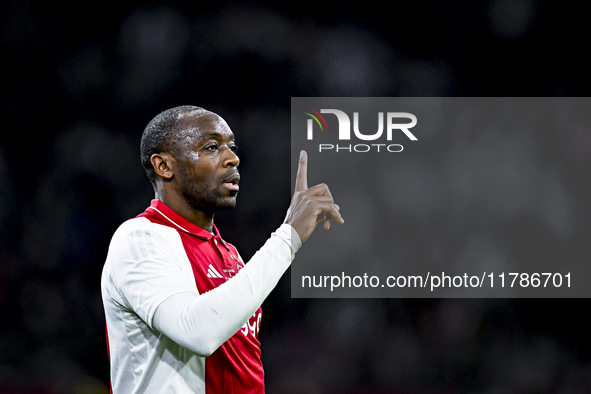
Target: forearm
203,322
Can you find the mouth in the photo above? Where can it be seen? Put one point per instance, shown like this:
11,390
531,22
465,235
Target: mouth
232,181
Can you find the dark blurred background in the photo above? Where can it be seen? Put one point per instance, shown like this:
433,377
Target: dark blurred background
79,83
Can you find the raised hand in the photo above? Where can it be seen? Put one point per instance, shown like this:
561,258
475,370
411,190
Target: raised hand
310,206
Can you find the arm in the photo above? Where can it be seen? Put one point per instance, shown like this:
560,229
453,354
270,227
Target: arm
203,322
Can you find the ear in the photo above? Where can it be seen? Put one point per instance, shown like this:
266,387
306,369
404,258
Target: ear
163,165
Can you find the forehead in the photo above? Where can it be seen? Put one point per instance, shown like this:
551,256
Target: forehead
200,124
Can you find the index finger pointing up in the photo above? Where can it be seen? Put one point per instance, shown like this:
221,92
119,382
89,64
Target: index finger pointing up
302,175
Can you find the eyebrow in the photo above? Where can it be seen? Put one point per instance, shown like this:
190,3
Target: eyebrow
201,135
216,134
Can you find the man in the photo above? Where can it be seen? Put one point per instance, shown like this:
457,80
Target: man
183,310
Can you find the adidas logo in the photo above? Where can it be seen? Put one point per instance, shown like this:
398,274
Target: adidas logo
213,273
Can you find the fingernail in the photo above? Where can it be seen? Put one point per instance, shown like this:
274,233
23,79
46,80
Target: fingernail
301,154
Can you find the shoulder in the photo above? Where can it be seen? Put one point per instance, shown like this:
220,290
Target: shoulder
134,232
139,240
137,223
145,264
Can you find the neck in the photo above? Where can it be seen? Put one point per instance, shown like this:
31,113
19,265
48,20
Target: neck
180,206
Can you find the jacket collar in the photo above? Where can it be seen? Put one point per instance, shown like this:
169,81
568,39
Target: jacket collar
175,220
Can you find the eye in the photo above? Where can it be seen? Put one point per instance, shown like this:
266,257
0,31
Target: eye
233,148
211,147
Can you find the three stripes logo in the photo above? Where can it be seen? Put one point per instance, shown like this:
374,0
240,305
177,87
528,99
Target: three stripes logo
213,273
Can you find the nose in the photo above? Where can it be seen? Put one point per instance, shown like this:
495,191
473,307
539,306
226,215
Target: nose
230,157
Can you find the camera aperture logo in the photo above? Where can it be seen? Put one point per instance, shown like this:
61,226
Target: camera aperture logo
393,126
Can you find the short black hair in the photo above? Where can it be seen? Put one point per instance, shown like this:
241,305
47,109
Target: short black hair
161,135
